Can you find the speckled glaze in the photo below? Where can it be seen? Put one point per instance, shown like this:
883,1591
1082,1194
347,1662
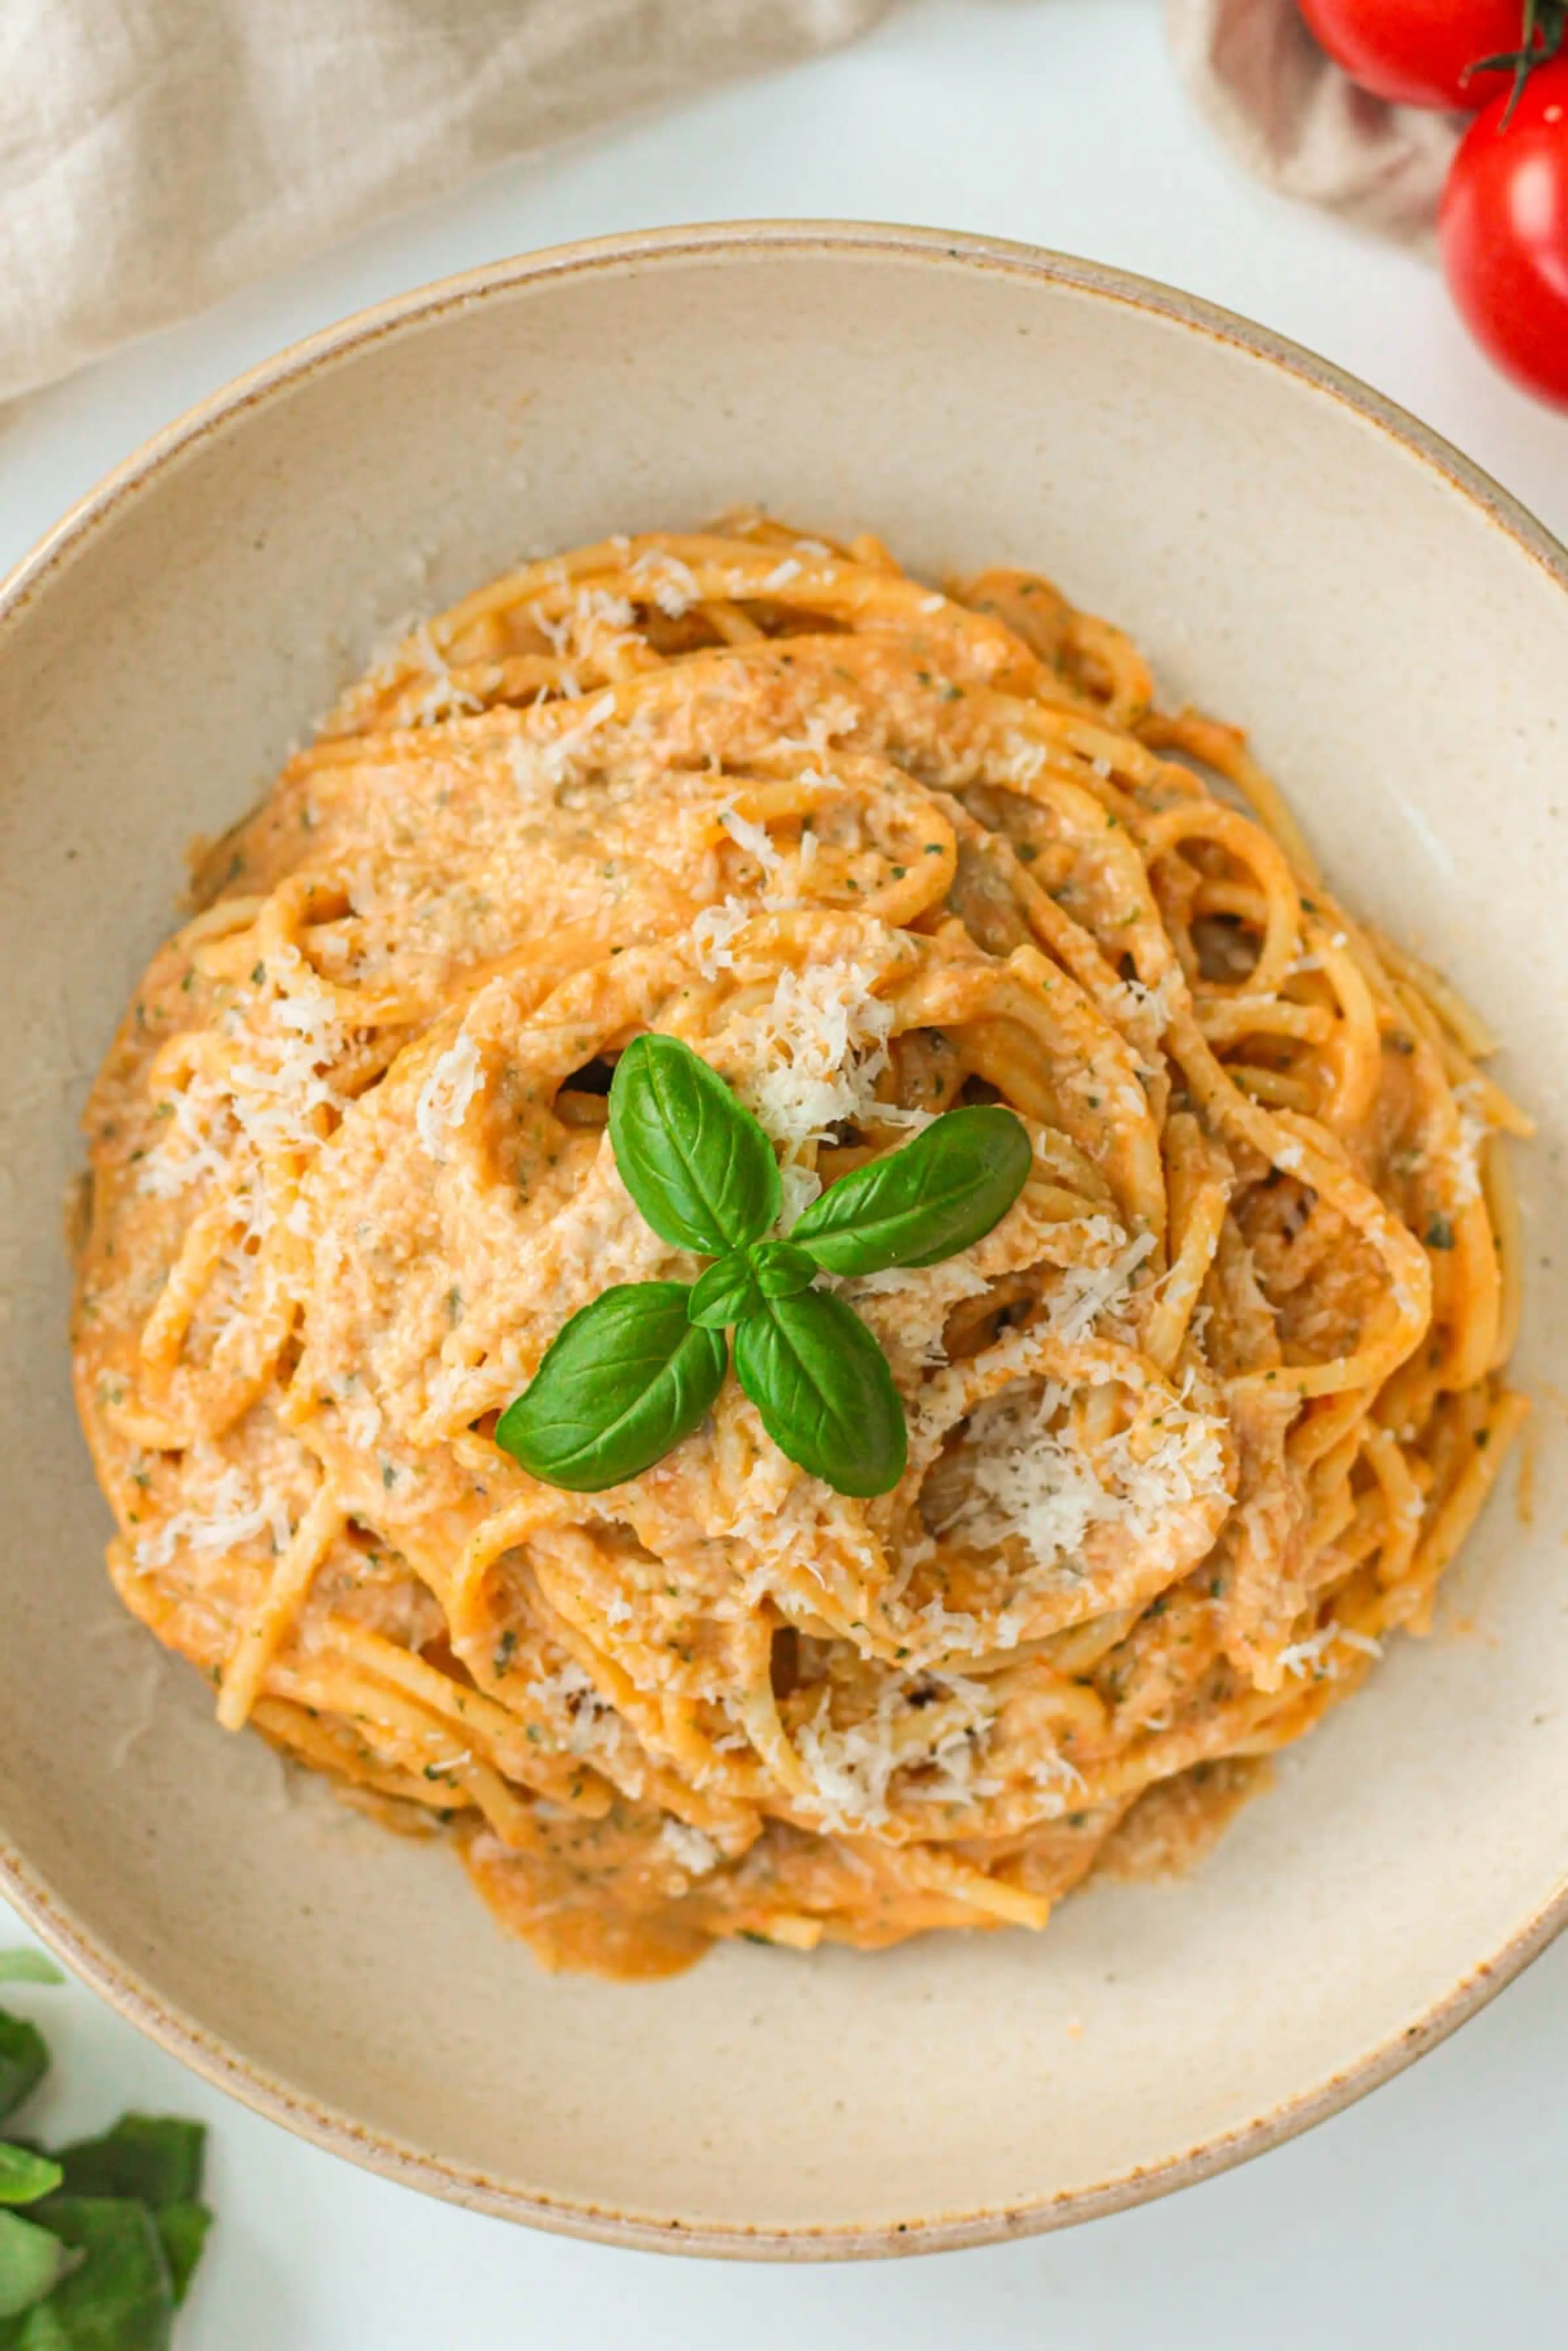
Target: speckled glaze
1295,554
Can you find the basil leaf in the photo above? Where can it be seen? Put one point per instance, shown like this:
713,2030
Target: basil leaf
823,1388
699,1165
26,1966
120,2297
926,1201
24,2062
31,2262
782,1271
737,1284
24,2176
621,1384
156,2158
725,1293
182,2232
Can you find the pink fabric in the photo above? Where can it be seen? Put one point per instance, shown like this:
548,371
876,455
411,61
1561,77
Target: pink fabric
1287,113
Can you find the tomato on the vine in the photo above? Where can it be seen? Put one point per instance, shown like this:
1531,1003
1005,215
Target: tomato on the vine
1504,232
1416,52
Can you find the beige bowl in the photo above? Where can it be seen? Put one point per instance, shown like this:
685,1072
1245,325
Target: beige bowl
1297,555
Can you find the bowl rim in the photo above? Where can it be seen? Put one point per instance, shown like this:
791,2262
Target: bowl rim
180,2035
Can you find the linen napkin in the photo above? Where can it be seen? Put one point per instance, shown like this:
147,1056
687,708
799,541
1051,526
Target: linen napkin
1286,112
154,154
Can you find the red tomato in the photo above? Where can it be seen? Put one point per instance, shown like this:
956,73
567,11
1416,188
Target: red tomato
1504,231
1416,51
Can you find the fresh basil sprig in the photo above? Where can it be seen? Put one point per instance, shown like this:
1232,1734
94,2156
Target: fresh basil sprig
638,1368
742,1281
114,2225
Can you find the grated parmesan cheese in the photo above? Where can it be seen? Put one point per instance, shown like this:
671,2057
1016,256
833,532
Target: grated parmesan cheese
688,1847
596,609
712,932
553,758
271,1096
1086,1291
801,1185
1133,998
234,1518
1059,1782
828,723
672,584
816,1050
753,838
441,699
1466,1160
853,1766
164,1174
1027,1484
1314,1655
444,1097
1021,760
927,1295
571,1696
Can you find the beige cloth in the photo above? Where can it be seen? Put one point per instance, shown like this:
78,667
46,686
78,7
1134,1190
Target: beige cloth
154,154
1288,114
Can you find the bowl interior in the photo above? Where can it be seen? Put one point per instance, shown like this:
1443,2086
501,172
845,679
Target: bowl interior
1400,656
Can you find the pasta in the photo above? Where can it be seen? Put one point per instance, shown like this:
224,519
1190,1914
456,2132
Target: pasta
1193,1430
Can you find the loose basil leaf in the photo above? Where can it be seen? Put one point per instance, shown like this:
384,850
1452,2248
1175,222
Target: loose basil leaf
932,1197
782,1270
26,1966
24,2062
120,2297
31,2262
823,1388
725,1293
25,2175
621,1384
157,2157
182,2232
694,1160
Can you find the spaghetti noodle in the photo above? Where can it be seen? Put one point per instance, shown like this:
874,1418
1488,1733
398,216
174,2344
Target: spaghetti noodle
1193,1430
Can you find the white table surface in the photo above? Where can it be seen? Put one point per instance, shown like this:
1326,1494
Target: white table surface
1431,2213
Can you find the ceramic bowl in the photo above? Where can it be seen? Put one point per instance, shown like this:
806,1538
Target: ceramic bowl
1297,556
